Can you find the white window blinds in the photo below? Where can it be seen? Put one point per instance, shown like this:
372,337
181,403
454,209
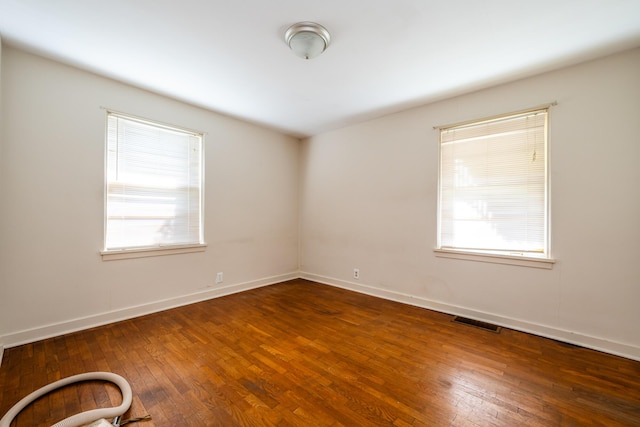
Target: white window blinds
493,186
154,185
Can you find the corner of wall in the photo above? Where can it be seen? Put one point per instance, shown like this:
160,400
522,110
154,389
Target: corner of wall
1,351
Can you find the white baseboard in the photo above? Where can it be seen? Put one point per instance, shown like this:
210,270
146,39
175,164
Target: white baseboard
594,343
31,335
52,330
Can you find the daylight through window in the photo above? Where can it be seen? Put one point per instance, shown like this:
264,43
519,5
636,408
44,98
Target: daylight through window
493,186
153,185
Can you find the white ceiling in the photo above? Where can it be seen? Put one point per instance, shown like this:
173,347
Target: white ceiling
385,56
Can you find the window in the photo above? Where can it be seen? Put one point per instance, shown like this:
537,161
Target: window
493,195
154,176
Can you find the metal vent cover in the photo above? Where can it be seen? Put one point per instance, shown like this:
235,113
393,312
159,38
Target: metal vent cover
477,324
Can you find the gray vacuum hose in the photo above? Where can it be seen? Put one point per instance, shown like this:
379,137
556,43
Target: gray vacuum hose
82,418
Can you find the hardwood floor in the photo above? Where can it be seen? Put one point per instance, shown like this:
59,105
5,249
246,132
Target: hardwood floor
304,354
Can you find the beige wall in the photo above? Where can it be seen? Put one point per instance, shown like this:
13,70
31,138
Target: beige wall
1,199
369,202
52,278
362,197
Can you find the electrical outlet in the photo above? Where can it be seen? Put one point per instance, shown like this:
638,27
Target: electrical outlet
219,277
356,273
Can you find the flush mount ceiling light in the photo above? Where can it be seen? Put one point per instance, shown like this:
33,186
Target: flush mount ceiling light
307,39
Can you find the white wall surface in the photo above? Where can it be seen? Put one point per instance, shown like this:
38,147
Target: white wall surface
52,278
1,195
368,201
365,197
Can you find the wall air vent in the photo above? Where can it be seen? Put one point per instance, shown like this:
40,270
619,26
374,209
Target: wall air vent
478,324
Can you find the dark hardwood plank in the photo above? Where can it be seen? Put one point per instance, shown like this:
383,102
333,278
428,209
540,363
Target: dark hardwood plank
304,354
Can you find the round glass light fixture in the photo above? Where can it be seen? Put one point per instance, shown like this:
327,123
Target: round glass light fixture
307,39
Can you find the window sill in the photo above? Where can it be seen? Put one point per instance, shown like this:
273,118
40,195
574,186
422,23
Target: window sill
149,252
522,261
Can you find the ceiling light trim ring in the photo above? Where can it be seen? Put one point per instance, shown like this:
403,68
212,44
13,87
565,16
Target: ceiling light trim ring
307,28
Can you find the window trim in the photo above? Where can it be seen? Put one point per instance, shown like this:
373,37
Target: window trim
113,255
545,260
522,261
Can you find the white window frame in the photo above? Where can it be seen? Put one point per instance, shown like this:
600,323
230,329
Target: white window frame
536,260
159,247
